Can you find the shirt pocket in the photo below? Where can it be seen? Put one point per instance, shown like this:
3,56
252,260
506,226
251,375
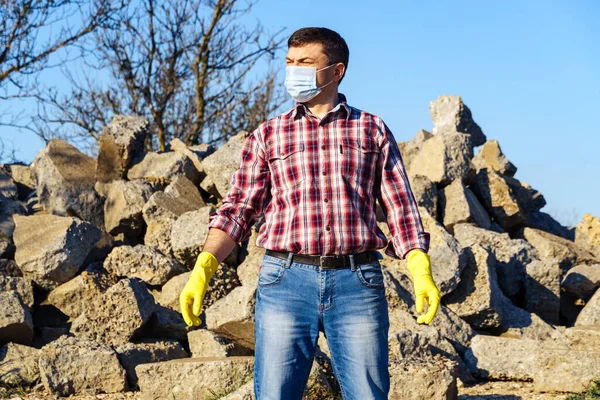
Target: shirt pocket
359,159
287,163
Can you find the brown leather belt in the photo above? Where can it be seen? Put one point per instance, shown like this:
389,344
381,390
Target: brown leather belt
327,262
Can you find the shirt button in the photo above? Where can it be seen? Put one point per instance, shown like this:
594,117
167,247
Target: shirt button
323,147
324,172
328,228
281,154
325,200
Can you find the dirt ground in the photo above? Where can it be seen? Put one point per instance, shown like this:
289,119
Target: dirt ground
482,391
500,390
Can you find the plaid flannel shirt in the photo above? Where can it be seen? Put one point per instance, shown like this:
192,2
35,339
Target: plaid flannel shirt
316,181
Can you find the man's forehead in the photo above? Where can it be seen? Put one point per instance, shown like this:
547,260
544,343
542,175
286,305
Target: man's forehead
311,50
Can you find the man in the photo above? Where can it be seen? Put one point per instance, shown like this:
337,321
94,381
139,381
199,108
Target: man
315,172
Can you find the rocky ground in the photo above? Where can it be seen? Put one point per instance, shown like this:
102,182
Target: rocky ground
492,390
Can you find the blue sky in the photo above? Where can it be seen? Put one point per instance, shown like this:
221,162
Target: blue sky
528,70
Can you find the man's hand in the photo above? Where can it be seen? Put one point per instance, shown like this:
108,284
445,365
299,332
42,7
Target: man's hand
192,295
419,266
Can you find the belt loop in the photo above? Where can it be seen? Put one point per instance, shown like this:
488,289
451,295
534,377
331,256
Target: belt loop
352,266
289,260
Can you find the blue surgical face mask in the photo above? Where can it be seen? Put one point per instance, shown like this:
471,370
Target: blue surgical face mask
301,82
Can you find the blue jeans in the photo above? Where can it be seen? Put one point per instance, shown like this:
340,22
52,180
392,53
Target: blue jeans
295,301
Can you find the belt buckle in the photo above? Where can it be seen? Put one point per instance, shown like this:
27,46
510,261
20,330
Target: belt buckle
321,258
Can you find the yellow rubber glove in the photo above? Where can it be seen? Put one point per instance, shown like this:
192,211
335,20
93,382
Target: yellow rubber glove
419,266
192,295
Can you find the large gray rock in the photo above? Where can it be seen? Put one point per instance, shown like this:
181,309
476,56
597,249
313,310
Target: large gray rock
23,178
8,187
565,369
497,197
220,165
520,323
122,141
164,208
422,379
124,309
143,262
16,324
491,156
449,113
233,316
443,159
411,148
403,315
542,289
582,281
193,378
426,194
426,344
52,249
587,233
194,153
65,179
458,205
165,323
169,295
23,287
71,365
550,246
189,234
502,358
544,222
10,268
164,168
529,199
131,355
204,343
123,207
590,315
478,298
512,255
19,365
585,337
552,365
9,208
82,292
7,247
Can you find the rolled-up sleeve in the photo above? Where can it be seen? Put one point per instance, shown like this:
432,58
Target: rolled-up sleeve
249,194
398,202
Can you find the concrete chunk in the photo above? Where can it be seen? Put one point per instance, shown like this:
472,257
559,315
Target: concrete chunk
52,249
16,324
71,365
193,378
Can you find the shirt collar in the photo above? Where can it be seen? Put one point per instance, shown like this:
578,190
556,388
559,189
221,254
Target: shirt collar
302,109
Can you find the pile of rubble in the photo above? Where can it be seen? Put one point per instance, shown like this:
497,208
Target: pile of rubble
94,254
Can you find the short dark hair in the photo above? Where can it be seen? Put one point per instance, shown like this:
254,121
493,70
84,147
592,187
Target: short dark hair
334,46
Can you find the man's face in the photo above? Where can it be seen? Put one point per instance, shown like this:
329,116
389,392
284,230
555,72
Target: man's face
311,55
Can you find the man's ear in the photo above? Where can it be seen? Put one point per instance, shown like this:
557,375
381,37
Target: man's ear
339,71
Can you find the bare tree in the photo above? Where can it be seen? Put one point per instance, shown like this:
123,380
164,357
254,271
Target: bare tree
32,30
189,66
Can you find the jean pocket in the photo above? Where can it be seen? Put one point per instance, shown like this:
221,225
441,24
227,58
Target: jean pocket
370,274
271,271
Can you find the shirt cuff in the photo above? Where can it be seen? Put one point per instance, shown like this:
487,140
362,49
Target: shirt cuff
398,247
233,226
